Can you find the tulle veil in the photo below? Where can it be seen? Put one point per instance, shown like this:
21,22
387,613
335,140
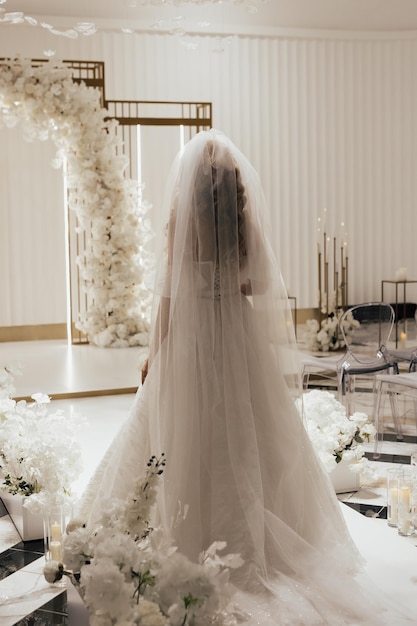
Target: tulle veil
219,402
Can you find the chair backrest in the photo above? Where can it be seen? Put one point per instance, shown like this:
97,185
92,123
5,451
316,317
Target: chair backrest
367,327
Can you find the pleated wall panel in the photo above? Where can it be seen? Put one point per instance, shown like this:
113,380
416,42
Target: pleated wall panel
32,258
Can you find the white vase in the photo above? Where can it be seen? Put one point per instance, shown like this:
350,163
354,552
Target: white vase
343,479
28,525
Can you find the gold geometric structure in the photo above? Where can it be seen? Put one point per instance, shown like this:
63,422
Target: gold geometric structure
193,116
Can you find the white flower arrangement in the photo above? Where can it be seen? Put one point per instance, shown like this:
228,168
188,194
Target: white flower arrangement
334,435
108,205
127,574
40,457
327,336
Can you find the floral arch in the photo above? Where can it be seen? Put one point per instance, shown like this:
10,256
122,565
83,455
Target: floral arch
49,104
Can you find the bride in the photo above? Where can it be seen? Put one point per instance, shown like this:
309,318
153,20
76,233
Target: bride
218,400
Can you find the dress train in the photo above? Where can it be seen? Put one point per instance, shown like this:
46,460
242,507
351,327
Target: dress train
250,477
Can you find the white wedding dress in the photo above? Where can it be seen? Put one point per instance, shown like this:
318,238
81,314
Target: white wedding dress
217,401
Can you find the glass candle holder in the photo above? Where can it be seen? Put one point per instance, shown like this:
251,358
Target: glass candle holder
54,524
394,478
406,504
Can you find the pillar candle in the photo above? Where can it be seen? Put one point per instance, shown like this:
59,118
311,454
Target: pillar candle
56,532
393,505
405,526
405,496
56,551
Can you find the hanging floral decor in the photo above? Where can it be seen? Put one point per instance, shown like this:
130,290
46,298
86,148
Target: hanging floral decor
50,104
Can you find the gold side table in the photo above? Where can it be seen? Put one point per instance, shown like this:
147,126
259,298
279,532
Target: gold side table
404,284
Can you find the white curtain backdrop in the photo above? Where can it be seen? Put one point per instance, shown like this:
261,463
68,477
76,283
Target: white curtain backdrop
328,120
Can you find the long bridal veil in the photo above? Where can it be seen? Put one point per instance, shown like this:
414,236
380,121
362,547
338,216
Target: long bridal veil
219,402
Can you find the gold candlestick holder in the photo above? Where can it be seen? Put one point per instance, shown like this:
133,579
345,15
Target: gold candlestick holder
333,274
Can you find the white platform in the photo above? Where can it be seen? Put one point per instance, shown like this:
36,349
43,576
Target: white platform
56,368
390,560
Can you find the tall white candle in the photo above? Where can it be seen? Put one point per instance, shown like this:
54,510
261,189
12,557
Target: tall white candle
393,505
56,551
405,496
404,527
56,532
404,513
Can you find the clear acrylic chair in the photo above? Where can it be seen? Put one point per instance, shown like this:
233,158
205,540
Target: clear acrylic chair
393,385
365,353
407,354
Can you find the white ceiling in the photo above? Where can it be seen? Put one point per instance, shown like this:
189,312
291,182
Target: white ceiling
366,15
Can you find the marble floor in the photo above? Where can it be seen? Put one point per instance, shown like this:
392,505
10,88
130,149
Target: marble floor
99,384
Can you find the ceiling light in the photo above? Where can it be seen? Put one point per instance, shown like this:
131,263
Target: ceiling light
16,17
86,28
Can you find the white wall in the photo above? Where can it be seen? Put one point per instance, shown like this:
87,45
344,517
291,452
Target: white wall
32,254
327,119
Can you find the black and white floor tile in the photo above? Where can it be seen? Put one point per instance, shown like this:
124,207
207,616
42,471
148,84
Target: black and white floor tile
99,385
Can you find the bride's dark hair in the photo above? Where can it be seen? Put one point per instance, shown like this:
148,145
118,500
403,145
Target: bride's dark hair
220,200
